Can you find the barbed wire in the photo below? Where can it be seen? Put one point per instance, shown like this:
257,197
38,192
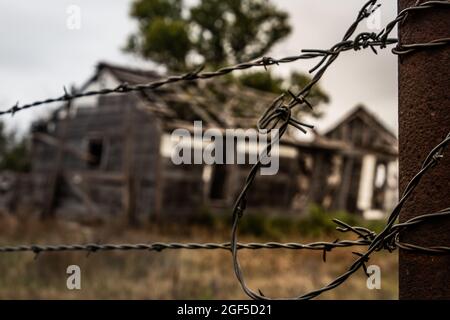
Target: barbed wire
160,246
388,239
191,76
409,48
362,41
365,238
279,116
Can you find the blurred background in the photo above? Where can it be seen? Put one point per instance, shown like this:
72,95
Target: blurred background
90,172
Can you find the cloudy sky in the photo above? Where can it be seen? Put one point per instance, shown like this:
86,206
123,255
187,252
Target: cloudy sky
39,54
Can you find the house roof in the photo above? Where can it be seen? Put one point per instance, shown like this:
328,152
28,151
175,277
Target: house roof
361,128
222,103
361,112
218,101
126,74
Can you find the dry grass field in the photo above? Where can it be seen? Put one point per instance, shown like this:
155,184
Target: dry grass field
173,274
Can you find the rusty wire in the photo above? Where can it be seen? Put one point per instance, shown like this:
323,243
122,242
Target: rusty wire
279,115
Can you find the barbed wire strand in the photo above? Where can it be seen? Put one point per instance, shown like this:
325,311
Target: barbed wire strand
365,238
364,40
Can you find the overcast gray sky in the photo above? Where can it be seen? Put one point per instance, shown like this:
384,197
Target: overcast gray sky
39,54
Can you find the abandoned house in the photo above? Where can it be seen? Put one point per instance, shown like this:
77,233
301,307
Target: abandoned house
109,155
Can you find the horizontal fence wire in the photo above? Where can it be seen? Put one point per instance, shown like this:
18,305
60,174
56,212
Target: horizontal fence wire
362,41
279,116
365,239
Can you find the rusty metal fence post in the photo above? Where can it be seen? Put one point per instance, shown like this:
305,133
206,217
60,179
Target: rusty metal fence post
424,120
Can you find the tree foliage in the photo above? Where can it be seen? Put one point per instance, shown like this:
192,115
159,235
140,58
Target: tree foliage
263,81
216,31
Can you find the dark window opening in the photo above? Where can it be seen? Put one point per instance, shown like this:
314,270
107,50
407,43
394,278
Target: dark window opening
218,182
95,152
352,197
379,186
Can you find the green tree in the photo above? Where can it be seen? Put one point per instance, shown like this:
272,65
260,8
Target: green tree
216,31
162,32
233,31
263,80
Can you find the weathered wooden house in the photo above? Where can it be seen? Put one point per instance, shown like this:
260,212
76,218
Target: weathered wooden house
104,156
